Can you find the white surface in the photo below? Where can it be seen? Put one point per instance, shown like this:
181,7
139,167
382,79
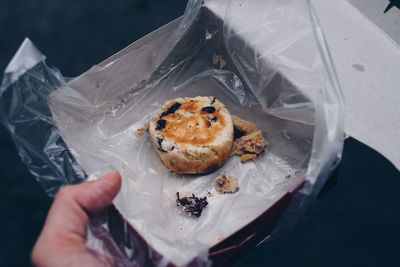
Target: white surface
368,66
388,21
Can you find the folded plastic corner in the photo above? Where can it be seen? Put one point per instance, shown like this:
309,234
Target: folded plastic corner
26,57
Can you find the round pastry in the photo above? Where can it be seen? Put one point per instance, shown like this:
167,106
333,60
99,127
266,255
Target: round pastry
192,135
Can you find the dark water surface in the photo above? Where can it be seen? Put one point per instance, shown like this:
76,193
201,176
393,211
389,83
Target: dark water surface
355,224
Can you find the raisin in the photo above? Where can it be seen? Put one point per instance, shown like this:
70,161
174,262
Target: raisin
214,119
159,141
161,124
171,109
193,204
208,109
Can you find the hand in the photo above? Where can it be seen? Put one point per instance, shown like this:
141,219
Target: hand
63,238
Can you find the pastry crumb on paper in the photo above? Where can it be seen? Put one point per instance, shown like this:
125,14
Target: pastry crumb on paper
192,205
143,130
225,185
249,141
253,143
246,157
249,146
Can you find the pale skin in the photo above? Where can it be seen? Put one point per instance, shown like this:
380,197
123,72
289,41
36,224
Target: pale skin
63,238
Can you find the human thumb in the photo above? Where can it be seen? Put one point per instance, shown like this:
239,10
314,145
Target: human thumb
74,204
97,195
63,238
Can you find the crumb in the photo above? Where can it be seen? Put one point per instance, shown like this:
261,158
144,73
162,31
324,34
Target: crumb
285,134
288,176
143,130
250,144
246,157
181,227
249,141
140,132
193,205
209,194
226,185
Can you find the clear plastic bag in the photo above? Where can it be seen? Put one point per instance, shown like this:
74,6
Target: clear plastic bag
266,60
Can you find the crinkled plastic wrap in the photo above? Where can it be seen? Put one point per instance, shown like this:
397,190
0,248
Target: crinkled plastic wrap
267,61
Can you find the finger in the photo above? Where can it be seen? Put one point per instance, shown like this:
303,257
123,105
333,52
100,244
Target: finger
95,196
68,218
73,204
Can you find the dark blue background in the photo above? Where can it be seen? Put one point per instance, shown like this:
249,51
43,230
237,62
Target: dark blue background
355,224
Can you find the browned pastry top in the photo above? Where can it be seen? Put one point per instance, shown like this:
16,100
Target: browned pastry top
196,123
